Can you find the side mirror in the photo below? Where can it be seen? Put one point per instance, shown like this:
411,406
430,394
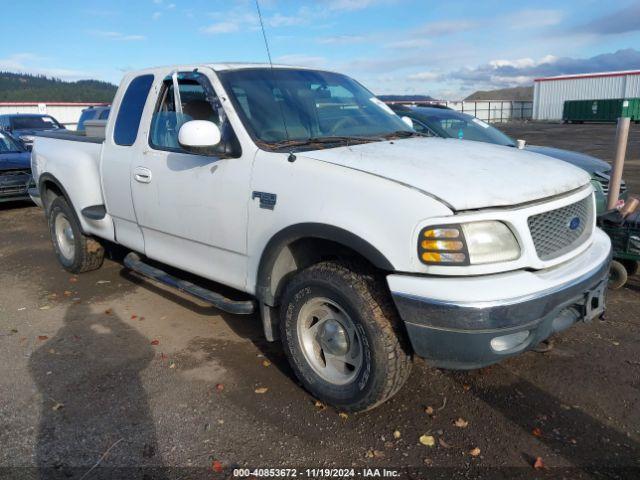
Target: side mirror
521,144
198,135
407,120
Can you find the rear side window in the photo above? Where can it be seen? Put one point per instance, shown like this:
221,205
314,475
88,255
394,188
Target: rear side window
86,115
128,120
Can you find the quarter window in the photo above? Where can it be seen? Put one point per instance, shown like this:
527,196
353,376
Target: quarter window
130,112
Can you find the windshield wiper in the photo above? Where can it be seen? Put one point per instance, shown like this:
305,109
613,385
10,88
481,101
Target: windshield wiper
321,141
405,134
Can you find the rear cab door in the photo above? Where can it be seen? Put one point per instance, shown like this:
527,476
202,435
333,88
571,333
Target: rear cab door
122,145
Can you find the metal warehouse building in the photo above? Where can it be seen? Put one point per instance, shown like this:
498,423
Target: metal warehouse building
66,113
550,93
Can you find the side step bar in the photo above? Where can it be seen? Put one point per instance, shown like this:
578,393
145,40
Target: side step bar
245,307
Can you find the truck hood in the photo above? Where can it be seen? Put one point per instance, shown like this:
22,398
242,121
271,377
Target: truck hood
15,160
464,175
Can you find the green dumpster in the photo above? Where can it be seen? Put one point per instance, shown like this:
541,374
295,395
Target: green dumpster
603,110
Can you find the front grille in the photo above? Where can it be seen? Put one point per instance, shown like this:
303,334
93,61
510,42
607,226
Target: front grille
604,181
559,231
14,173
15,182
12,190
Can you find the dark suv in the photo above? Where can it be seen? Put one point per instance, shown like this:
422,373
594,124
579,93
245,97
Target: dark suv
448,123
15,169
25,125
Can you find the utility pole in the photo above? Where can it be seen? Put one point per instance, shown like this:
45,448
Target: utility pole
622,136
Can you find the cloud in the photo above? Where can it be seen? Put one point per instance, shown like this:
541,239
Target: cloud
31,63
409,43
523,62
506,73
156,15
424,76
342,39
301,60
351,5
622,21
118,36
446,27
533,18
279,20
231,21
221,27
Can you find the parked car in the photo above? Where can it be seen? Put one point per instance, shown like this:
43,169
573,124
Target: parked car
15,169
359,242
453,124
25,125
92,113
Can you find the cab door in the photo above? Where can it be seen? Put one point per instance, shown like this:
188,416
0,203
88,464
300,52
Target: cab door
192,208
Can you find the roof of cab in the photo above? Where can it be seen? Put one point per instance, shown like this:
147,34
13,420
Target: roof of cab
218,67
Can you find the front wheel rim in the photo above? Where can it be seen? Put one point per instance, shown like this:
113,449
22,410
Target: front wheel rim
64,236
330,341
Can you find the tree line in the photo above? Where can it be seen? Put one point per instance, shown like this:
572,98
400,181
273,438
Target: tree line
21,87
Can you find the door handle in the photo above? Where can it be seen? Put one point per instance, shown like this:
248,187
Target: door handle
142,175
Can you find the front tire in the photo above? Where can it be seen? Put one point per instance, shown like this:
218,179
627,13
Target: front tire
617,275
342,336
76,252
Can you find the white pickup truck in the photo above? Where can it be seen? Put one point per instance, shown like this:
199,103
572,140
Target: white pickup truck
360,243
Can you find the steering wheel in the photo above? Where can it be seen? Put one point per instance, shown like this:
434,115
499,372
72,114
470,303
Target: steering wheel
343,122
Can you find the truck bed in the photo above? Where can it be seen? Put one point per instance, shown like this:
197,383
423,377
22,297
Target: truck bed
71,135
72,159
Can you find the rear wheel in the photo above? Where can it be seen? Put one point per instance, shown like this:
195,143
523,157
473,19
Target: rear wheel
76,252
617,275
342,336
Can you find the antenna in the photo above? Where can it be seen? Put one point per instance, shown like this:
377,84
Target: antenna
292,157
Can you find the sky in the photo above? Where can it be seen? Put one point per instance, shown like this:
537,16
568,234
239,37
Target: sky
439,48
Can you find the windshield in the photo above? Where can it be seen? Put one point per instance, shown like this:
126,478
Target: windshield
450,124
9,145
289,105
44,122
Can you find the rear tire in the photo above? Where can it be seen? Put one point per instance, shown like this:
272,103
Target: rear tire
342,336
76,252
617,275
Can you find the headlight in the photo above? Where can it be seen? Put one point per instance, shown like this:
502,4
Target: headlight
467,244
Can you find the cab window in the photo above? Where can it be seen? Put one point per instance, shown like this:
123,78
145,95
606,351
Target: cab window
420,127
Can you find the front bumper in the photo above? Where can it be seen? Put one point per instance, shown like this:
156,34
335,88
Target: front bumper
471,322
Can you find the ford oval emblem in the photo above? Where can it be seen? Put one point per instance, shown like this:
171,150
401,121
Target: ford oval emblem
574,223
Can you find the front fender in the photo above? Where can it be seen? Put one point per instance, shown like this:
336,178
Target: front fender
373,216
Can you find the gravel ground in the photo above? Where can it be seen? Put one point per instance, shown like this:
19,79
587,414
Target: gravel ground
112,370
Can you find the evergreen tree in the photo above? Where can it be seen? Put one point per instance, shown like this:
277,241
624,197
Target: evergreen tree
22,87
